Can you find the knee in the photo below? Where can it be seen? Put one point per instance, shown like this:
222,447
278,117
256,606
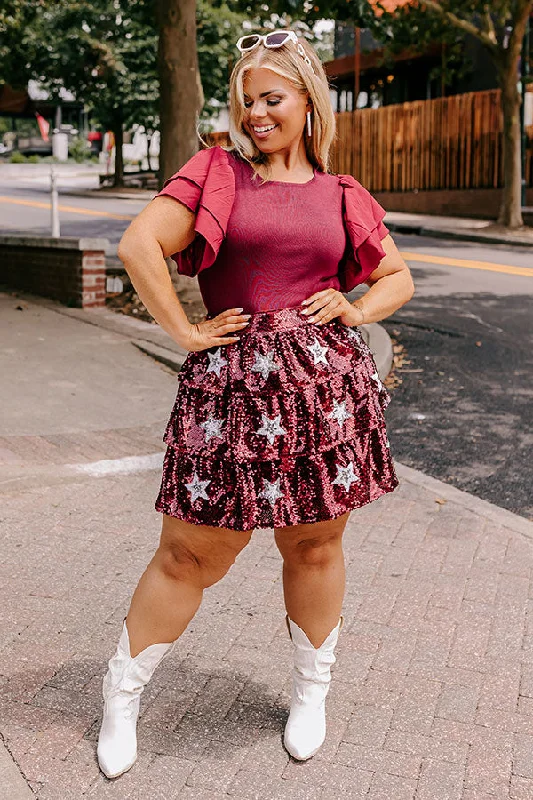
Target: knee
180,562
201,567
318,552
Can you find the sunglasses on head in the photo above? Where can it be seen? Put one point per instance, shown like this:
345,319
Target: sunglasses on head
272,40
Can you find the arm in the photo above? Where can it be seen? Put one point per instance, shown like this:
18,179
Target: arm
391,286
162,228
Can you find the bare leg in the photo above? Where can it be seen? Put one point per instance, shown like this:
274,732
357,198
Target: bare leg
313,575
189,559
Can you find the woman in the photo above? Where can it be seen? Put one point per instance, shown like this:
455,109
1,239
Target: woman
278,420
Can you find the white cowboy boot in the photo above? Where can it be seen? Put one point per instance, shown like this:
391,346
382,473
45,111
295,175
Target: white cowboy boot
122,688
306,727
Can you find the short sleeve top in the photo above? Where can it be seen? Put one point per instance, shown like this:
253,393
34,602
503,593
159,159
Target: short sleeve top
269,245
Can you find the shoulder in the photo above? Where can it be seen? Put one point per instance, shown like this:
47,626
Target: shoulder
361,207
199,165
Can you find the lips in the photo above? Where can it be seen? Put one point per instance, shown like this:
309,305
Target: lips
263,134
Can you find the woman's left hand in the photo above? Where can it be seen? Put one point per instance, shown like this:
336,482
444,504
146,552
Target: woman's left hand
323,306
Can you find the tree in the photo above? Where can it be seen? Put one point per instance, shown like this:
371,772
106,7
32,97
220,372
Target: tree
104,52
196,42
500,27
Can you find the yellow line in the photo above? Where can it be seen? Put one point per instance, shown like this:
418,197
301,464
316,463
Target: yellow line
460,262
87,212
448,262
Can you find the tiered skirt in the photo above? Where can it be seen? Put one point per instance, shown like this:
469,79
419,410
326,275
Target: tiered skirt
283,427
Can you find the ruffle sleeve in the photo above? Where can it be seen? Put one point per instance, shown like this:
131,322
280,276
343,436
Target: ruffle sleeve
206,185
363,219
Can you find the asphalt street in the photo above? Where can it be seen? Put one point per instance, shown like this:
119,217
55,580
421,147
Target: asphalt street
462,412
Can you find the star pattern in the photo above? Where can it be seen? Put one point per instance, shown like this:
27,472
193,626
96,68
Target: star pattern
216,361
212,428
375,377
270,428
339,413
271,491
318,352
265,364
353,332
197,488
346,476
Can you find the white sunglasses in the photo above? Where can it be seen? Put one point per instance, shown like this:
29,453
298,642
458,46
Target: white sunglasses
272,40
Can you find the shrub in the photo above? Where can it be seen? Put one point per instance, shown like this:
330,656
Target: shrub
79,149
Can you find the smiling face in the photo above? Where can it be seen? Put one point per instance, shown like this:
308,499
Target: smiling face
270,100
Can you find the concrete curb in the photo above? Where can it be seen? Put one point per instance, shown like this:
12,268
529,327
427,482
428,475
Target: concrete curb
376,337
500,516
152,339
448,233
13,784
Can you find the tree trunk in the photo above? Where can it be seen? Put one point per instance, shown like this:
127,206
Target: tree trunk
118,132
179,84
511,207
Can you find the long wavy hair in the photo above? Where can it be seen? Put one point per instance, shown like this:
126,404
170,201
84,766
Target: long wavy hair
287,62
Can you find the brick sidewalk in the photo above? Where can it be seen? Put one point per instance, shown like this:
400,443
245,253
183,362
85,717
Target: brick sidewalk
432,695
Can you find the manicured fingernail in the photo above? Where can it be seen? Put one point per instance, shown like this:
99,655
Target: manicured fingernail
239,310
311,319
305,302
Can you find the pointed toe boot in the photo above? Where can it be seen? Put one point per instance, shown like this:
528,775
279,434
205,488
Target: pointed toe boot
122,688
305,730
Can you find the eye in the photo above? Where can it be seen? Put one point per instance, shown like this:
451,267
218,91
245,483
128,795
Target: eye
269,103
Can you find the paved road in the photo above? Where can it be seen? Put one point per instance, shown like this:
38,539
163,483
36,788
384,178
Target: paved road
432,695
24,208
463,411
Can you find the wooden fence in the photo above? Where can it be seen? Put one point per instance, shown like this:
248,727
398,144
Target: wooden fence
448,143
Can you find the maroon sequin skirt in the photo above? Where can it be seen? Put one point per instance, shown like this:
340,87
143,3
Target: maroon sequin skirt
283,427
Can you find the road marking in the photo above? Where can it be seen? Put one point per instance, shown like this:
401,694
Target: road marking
89,212
508,269
119,466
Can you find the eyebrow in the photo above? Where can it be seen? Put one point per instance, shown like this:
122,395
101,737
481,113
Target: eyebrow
264,94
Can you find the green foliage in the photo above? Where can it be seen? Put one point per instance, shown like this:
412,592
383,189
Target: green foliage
105,52
79,149
33,159
416,25
18,158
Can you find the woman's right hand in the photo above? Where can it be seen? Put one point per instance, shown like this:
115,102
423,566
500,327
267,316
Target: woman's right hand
214,332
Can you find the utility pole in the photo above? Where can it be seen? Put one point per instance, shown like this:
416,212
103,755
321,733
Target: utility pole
56,233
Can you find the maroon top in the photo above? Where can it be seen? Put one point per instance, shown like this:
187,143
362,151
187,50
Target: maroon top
272,245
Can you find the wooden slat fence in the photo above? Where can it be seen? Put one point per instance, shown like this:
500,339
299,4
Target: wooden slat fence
447,143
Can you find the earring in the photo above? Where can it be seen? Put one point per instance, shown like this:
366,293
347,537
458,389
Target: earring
308,116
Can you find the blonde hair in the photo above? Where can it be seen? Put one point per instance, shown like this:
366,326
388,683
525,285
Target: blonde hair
287,62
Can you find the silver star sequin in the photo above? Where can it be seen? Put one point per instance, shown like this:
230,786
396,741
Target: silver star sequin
216,361
346,476
353,332
318,352
197,488
270,428
375,377
212,428
271,491
340,413
265,364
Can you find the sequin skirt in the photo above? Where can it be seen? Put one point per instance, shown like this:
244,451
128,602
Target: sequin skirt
283,427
